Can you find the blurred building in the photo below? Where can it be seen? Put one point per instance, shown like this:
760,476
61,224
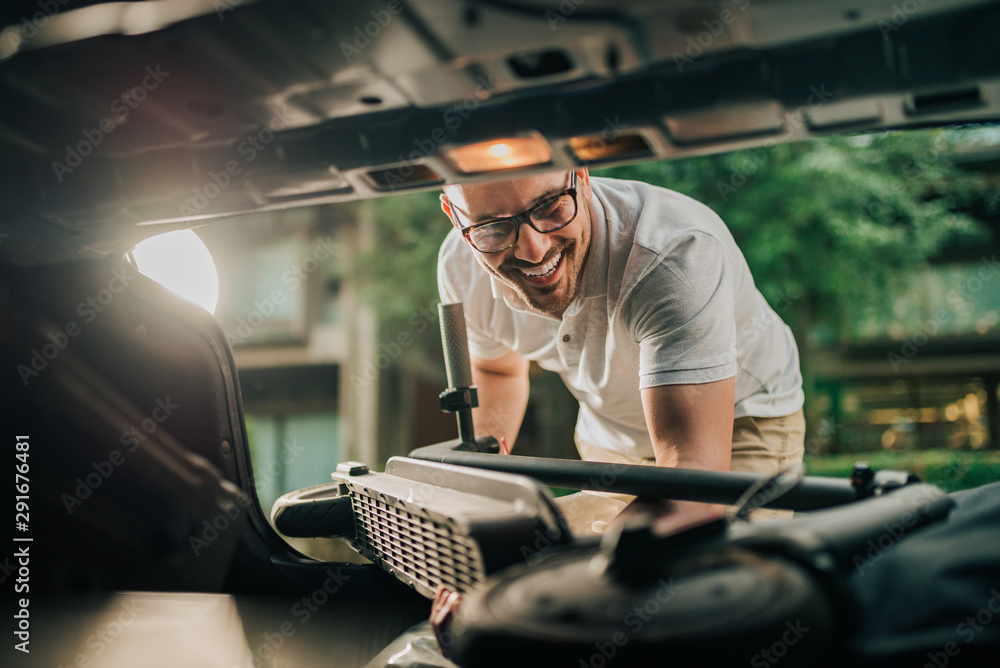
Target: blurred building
926,373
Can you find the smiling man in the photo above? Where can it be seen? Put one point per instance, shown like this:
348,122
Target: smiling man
640,300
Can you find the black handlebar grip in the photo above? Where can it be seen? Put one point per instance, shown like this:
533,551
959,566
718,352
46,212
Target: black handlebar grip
455,341
320,510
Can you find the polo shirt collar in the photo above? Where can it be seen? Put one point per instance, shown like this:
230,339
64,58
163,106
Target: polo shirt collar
594,280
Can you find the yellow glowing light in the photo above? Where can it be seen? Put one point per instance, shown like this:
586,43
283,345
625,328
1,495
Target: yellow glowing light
500,150
180,262
508,153
971,407
929,415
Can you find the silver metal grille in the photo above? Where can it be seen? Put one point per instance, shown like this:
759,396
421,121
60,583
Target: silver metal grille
415,542
434,525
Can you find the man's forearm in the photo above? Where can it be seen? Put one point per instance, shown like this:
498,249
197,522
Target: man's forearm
691,426
503,398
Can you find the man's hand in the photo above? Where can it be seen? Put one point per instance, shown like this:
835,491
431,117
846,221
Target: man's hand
442,611
670,516
502,387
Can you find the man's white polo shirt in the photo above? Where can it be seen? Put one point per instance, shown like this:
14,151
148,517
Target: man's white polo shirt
665,298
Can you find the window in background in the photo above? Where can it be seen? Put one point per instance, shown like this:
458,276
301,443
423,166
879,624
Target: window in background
915,413
292,451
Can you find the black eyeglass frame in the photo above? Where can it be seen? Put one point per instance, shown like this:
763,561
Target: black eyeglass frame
525,216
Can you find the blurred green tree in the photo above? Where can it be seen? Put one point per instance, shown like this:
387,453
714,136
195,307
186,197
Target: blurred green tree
399,271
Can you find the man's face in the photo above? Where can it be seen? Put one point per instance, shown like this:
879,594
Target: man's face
544,269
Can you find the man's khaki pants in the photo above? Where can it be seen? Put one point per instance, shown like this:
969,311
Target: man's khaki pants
763,446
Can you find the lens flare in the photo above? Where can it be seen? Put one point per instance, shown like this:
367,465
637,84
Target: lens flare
180,262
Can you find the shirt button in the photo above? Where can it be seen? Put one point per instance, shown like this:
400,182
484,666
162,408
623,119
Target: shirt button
566,338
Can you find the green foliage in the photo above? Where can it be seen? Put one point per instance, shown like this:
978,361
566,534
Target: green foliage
950,470
832,226
399,274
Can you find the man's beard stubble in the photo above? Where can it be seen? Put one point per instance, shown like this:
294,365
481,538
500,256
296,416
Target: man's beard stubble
509,273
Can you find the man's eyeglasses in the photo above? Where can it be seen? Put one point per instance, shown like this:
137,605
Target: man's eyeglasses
549,215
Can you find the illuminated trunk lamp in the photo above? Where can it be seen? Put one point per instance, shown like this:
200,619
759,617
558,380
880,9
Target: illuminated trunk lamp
500,154
597,148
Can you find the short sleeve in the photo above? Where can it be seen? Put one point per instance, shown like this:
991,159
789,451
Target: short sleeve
454,268
682,315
